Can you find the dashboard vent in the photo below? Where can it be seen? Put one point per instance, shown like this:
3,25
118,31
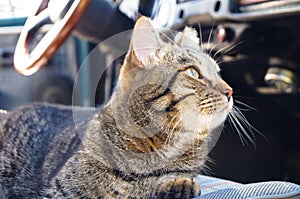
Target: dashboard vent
244,6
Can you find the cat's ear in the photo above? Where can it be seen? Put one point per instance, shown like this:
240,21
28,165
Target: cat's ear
144,42
188,38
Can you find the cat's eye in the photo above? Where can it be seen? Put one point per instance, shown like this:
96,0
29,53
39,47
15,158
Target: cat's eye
191,71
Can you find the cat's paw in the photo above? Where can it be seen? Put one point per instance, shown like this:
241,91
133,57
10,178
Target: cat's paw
182,188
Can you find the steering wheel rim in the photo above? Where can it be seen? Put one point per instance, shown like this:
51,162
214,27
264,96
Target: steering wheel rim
27,63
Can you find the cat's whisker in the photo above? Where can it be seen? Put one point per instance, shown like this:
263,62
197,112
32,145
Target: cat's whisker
248,107
225,51
211,50
210,36
167,130
244,128
221,50
170,39
219,62
171,122
233,46
241,116
234,125
170,134
217,52
200,35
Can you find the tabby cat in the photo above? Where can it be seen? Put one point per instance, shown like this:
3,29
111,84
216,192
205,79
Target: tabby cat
149,141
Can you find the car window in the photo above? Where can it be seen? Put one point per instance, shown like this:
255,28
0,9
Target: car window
17,8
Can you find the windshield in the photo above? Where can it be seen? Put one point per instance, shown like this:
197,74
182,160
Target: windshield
17,8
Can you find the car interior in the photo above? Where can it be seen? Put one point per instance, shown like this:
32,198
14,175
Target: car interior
255,42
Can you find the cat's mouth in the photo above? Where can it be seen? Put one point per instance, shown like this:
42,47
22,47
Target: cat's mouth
229,105
226,106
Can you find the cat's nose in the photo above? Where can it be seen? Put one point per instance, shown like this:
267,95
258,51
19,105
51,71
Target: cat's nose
228,92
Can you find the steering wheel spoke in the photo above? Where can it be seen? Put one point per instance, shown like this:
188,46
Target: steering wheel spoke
36,22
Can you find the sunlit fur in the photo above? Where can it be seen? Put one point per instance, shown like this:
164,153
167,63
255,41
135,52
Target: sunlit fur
161,113
149,141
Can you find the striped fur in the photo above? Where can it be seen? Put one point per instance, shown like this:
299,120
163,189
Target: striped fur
149,141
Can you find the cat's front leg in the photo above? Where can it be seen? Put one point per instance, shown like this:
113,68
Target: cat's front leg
182,188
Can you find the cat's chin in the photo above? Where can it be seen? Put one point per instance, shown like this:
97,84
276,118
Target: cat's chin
199,123
220,117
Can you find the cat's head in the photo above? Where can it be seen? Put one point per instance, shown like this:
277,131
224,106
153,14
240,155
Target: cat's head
171,84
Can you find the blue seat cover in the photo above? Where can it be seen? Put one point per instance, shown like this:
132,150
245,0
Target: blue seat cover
215,188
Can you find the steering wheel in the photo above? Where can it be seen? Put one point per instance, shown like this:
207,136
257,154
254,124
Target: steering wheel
63,15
